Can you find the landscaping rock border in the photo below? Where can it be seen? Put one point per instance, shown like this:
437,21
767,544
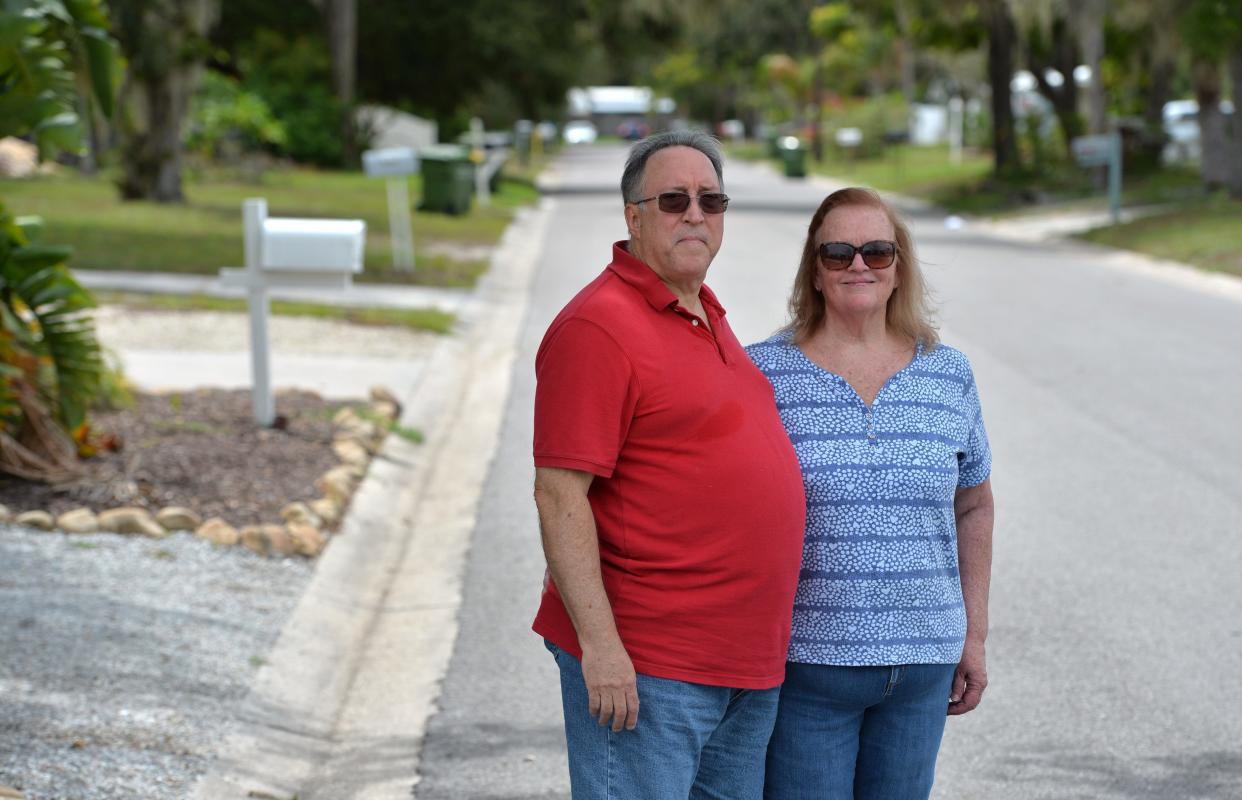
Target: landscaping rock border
305,527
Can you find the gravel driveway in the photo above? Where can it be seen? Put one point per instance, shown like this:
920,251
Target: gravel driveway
123,658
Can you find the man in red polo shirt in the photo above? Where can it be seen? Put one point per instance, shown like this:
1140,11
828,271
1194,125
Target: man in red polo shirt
670,503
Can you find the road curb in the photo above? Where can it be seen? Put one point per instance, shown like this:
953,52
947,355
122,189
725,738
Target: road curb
340,707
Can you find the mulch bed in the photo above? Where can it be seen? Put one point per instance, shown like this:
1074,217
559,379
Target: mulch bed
199,449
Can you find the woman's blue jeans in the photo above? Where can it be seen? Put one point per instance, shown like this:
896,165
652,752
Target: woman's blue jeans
858,733
691,741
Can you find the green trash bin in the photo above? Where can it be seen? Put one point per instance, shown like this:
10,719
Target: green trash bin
793,156
448,179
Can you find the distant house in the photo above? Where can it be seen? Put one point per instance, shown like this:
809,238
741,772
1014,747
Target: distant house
392,128
630,112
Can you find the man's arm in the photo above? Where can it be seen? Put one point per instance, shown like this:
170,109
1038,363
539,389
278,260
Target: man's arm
571,547
974,511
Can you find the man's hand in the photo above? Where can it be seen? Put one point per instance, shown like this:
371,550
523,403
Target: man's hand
612,687
969,681
571,546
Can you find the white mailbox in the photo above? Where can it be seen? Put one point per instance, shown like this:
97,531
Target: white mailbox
849,137
395,164
315,245
1103,150
390,161
297,253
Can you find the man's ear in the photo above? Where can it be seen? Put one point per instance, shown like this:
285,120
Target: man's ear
633,219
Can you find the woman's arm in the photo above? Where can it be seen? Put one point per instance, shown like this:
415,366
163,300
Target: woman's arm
974,511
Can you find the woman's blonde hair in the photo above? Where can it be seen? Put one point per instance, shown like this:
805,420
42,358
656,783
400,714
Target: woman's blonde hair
908,311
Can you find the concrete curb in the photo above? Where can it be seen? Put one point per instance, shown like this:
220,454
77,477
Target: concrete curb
340,708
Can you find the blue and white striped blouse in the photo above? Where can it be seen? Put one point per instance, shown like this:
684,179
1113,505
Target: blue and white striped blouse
879,582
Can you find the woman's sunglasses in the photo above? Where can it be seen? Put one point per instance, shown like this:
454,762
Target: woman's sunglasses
678,202
839,255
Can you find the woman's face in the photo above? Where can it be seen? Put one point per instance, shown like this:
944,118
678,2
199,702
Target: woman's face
856,290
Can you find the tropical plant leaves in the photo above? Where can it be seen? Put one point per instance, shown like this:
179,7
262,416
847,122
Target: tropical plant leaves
43,43
46,339
50,361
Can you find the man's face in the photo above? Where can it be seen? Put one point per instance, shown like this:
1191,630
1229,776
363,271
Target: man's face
679,247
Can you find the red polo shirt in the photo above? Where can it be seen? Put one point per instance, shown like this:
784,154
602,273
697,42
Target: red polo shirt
698,495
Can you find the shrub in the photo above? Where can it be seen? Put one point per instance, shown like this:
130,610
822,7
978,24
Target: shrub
50,363
227,117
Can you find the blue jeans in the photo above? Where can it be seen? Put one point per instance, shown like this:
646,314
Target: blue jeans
867,733
691,741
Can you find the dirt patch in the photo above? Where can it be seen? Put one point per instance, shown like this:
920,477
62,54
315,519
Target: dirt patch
200,449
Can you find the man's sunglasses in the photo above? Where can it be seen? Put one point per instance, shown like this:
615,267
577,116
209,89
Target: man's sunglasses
678,202
839,255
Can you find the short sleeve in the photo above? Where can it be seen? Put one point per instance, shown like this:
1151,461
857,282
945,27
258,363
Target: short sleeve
975,464
585,395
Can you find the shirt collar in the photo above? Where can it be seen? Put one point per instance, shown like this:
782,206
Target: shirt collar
626,266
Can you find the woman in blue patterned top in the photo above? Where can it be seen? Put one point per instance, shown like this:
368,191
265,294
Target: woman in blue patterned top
891,612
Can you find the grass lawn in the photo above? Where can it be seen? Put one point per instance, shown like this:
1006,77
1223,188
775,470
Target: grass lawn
905,169
424,319
1205,233
204,234
1062,186
969,188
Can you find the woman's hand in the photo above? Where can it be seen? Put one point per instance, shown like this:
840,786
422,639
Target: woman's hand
970,679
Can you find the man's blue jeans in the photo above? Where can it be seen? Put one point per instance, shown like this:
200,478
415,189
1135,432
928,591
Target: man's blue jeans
691,741
858,733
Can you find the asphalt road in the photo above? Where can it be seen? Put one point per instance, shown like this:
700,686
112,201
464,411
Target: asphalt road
1113,404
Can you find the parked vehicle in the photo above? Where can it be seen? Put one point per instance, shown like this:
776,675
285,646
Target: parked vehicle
579,131
1181,125
633,129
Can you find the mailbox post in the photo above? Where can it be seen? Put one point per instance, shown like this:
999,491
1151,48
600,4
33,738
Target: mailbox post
301,253
523,131
957,118
396,164
478,154
1099,151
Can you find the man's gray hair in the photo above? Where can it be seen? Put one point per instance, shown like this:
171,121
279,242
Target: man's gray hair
636,164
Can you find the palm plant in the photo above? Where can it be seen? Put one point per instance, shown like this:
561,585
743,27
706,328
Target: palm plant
50,362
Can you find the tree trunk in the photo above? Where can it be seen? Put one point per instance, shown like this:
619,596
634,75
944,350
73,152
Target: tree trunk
152,150
342,17
163,42
1162,70
1213,142
906,50
817,106
1089,23
1160,63
1001,39
1062,56
1233,155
